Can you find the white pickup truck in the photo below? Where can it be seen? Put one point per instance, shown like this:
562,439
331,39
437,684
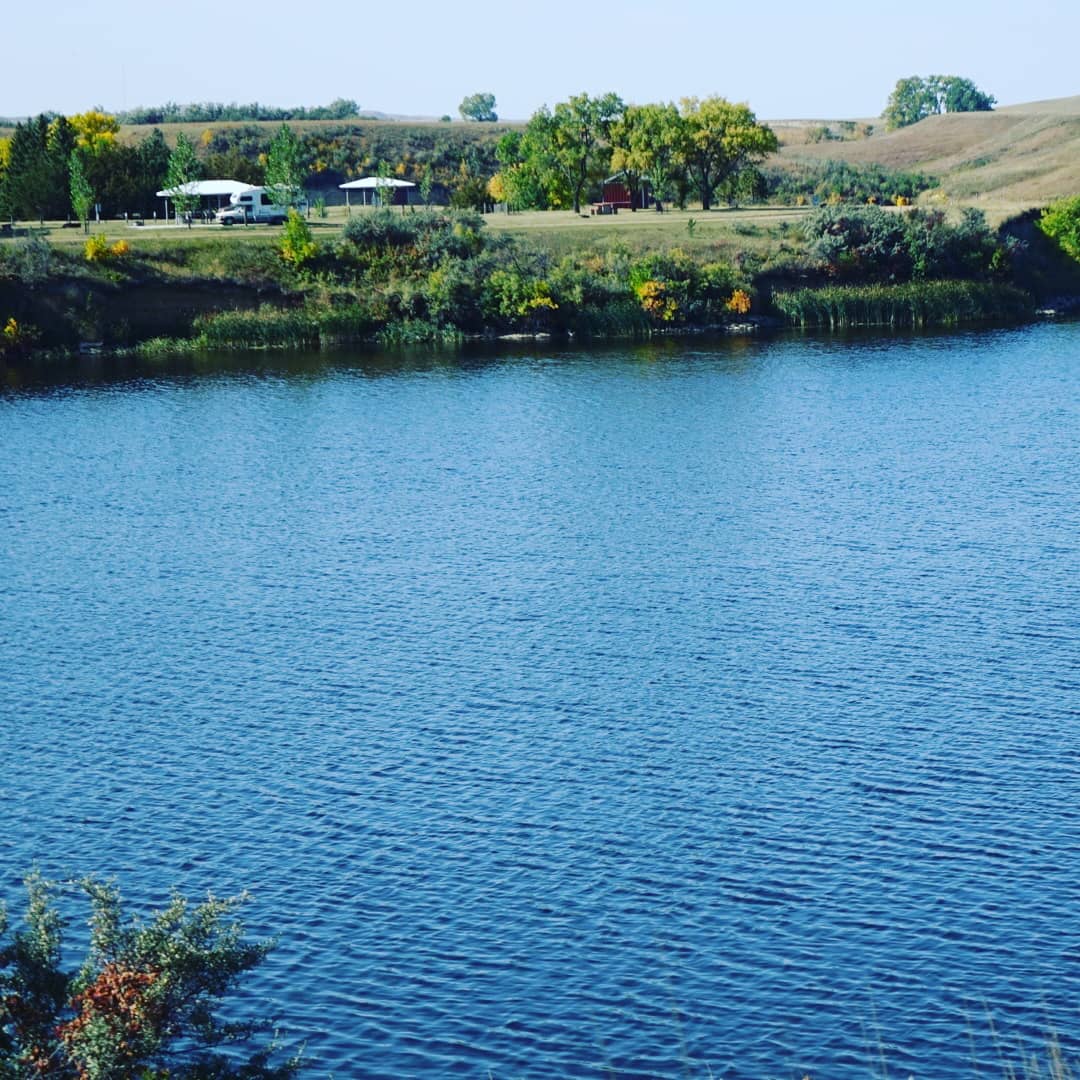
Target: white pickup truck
252,204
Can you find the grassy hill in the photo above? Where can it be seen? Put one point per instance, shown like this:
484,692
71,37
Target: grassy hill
1003,161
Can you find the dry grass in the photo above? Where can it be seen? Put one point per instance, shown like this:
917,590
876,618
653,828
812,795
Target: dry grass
1004,161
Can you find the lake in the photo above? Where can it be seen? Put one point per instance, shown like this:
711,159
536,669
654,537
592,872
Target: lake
680,709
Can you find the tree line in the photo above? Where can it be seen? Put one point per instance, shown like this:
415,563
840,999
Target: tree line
209,112
48,158
707,147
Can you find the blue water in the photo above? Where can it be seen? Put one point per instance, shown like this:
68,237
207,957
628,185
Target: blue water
654,711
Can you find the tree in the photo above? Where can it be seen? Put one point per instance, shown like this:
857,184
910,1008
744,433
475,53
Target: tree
962,95
29,176
152,167
96,130
143,1003
569,143
59,146
237,166
915,98
478,107
645,145
521,173
284,168
181,175
427,183
82,194
1061,222
5,158
719,140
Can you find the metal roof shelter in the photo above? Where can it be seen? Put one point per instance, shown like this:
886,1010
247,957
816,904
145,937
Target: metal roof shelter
204,189
373,183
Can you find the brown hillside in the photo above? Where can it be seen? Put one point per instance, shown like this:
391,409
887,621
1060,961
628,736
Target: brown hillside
1006,160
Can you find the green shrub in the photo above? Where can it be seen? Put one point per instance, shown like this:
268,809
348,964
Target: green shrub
142,1004
28,260
432,233
297,246
843,181
869,243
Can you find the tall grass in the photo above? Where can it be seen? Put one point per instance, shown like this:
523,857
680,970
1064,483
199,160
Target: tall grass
270,327
265,328
911,304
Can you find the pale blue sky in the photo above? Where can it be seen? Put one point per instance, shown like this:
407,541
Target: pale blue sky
787,60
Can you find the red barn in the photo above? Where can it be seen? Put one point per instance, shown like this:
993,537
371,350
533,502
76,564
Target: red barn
617,192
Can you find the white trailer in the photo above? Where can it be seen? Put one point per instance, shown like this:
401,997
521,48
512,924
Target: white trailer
252,204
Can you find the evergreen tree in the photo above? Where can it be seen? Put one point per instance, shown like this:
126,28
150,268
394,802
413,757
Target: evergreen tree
60,143
153,167
27,180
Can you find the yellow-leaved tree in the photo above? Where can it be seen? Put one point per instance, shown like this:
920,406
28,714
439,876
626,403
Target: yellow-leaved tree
95,130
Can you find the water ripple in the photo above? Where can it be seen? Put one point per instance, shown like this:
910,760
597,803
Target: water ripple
657,712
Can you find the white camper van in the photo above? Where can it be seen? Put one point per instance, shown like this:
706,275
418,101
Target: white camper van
252,204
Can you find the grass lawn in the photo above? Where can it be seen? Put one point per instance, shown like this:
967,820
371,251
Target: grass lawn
717,234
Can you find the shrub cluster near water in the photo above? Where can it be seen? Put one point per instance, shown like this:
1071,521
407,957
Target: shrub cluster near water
440,276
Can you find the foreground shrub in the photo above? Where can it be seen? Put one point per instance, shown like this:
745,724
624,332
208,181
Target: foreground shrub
143,1002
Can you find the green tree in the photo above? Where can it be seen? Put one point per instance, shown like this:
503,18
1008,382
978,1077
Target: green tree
181,175
521,172
427,183
570,143
962,95
144,1002
915,98
719,140
1061,222
235,166
478,107
285,170
645,145
59,145
29,175
82,194
152,167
